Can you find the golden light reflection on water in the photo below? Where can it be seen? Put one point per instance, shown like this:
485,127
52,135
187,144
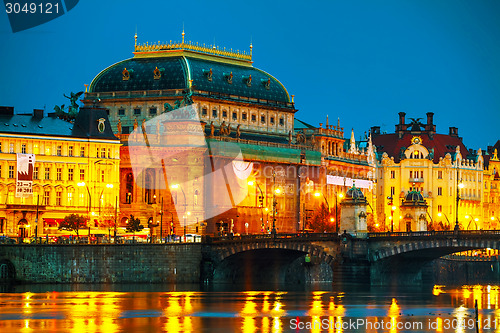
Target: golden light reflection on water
248,312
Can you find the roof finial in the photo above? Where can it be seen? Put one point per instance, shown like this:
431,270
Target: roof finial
135,38
183,34
251,48
338,123
327,121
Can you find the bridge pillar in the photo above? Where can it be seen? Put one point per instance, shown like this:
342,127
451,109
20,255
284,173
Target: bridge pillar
396,271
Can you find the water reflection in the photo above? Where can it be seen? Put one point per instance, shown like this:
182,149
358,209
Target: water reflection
436,309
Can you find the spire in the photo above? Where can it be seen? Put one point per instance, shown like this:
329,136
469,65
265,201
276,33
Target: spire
327,121
135,38
352,148
183,34
338,124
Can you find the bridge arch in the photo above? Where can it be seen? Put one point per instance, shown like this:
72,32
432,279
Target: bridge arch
7,271
271,262
424,249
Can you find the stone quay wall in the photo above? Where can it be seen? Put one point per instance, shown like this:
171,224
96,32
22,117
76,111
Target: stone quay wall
127,263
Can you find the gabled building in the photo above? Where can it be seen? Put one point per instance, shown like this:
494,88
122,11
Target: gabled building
75,170
417,158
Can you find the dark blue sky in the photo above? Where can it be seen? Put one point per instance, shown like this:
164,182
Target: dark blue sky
362,61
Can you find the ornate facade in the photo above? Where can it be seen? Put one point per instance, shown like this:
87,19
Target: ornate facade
270,163
75,171
417,158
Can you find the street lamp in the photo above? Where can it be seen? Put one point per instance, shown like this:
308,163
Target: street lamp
318,194
393,208
261,203
460,185
90,198
100,196
176,186
274,203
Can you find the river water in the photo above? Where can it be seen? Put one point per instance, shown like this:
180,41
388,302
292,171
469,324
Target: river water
315,308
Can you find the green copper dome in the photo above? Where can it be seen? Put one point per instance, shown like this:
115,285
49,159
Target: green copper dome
210,77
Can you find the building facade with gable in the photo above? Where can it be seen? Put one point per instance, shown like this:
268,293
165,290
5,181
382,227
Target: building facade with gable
75,170
241,111
438,166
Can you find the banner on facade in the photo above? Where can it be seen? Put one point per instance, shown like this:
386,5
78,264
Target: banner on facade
24,178
345,181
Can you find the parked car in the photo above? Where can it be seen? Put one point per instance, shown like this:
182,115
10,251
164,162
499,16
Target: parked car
191,238
7,240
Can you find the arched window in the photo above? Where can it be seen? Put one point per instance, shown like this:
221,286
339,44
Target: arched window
129,188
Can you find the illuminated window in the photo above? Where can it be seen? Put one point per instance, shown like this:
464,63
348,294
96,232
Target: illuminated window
48,151
46,198
11,171
109,152
440,174
102,176
70,174
11,148
103,153
411,174
82,151
440,208
82,174
35,173
47,173
393,174
440,191
58,198
0,147
70,198
97,154
70,151
23,148
59,174
393,190
59,150
36,149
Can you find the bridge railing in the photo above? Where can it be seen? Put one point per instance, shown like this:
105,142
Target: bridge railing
278,236
436,234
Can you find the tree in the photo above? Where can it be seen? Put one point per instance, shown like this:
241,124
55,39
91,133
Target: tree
320,222
134,225
73,222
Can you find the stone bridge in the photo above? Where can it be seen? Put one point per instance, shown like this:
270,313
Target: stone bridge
376,258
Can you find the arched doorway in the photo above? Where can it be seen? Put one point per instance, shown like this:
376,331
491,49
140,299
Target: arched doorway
23,228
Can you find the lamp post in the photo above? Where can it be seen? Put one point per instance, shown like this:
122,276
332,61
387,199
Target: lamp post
274,204
472,218
100,196
261,203
492,220
337,196
176,186
440,214
459,186
318,194
393,208
90,199
161,221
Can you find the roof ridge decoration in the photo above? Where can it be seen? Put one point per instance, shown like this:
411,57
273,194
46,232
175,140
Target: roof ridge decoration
167,48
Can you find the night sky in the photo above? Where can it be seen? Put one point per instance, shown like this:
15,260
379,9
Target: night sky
362,61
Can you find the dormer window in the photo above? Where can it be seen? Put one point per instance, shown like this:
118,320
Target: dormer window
229,77
156,74
266,83
208,74
248,80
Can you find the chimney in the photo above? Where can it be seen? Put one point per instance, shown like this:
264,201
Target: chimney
402,118
375,130
401,127
453,131
430,116
430,127
38,113
6,110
